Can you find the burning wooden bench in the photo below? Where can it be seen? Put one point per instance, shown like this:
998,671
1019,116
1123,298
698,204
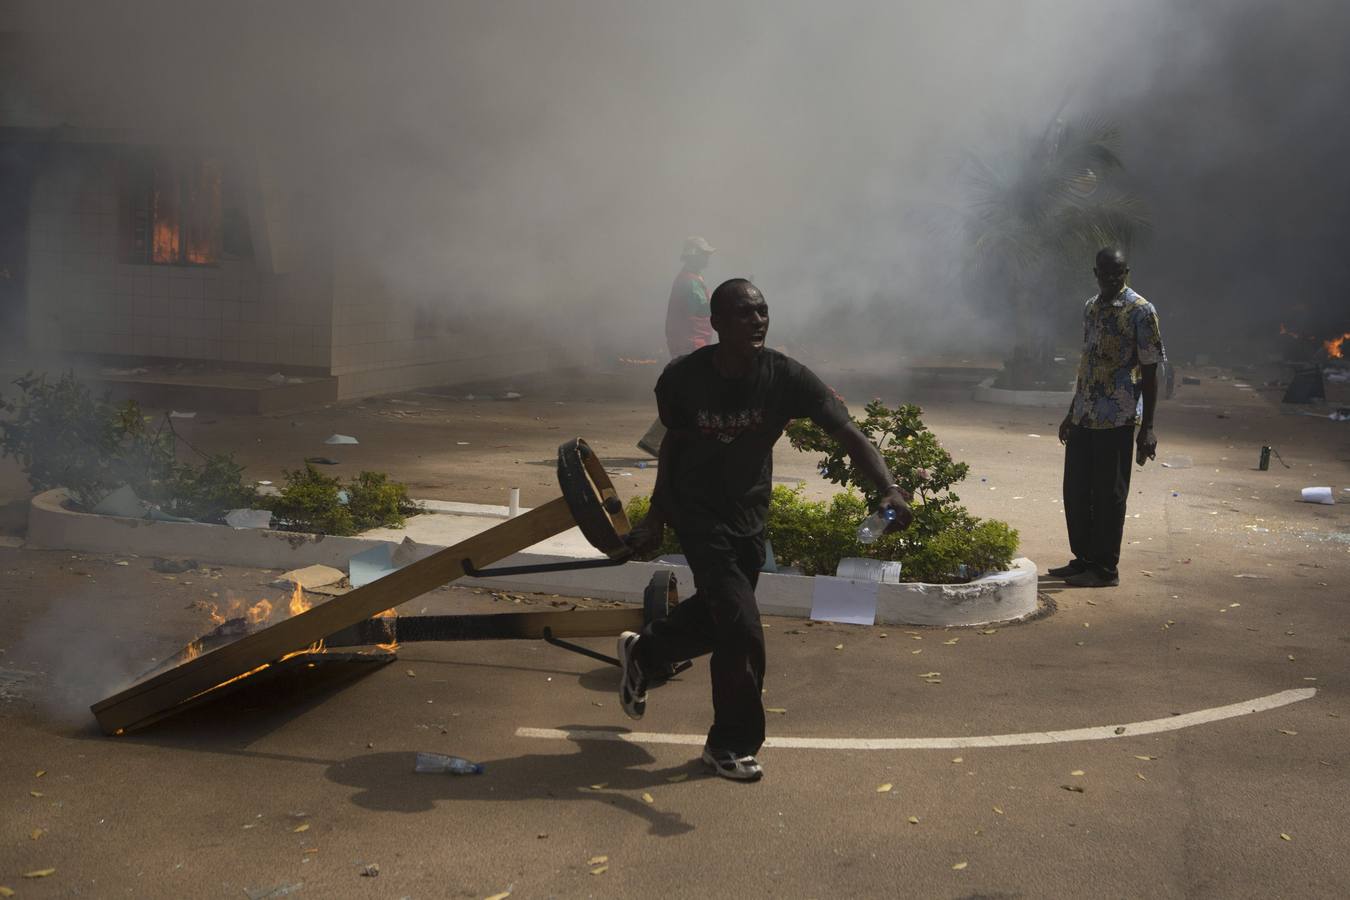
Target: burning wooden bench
220,660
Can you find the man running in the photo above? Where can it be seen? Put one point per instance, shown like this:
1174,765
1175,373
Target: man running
725,405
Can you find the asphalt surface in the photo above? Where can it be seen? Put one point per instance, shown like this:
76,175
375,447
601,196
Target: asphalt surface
1231,591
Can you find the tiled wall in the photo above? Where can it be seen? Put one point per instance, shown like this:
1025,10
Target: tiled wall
81,298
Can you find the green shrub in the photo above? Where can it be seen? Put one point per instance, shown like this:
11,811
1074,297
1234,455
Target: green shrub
210,490
377,502
311,502
63,436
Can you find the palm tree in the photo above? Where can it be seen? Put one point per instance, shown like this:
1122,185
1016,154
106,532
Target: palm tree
1035,219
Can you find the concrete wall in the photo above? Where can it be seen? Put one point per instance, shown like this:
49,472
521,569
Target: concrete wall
82,298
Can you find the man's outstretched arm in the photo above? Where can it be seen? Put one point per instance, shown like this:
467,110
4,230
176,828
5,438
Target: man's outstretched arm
867,459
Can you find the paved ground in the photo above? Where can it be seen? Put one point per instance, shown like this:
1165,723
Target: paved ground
1233,591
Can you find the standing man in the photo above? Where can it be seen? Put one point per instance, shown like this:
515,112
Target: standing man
725,406
688,325
1117,388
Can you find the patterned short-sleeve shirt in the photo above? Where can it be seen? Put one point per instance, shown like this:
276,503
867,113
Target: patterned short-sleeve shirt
1118,338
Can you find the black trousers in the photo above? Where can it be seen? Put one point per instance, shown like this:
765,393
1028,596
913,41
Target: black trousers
1097,466
721,618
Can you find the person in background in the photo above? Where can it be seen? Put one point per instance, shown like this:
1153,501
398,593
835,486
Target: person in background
726,405
1117,389
688,322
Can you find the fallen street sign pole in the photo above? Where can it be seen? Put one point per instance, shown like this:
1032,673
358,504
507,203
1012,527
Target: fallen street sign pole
589,501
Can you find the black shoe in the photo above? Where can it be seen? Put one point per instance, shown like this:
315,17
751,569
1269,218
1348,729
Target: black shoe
1092,578
732,765
1072,567
632,683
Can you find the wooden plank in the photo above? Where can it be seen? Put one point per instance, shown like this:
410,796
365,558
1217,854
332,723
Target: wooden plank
144,701
488,627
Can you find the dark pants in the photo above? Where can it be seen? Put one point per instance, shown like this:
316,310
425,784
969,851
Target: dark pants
1097,465
721,618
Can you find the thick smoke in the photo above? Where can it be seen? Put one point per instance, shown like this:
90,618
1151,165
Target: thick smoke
544,161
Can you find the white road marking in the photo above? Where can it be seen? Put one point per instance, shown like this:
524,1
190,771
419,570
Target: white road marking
1096,733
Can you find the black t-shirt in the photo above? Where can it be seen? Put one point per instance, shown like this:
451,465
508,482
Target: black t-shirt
721,473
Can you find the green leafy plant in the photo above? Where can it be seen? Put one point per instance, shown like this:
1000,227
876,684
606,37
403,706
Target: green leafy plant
377,502
312,502
211,489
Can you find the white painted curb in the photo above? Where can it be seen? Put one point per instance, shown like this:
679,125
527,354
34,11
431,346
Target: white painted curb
985,392
1000,597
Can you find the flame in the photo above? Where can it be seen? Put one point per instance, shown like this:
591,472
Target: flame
298,603
388,613
1333,346
259,612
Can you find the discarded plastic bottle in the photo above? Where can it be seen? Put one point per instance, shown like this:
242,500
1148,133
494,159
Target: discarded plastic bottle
872,526
440,764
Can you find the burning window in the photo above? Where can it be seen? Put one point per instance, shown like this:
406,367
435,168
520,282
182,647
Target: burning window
177,213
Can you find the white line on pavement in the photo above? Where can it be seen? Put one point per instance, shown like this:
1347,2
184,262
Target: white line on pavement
1097,733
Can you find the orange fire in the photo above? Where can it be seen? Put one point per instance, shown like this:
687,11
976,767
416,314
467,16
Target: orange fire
1334,347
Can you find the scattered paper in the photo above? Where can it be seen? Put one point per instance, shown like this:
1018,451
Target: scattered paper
340,439
249,518
316,575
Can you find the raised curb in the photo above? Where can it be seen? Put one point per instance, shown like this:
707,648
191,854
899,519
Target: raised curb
1000,597
985,392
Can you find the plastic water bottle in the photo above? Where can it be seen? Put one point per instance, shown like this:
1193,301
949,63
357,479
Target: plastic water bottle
872,526
440,764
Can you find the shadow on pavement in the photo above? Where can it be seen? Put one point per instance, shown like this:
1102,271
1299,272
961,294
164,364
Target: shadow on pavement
386,782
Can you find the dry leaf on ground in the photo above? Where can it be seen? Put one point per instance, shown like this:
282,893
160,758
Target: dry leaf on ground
676,779
300,828
961,865
913,820
599,870
648,798
39,873
597,860
884,788
1077,789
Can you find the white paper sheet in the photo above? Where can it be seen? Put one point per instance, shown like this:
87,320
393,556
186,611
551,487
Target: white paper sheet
844,600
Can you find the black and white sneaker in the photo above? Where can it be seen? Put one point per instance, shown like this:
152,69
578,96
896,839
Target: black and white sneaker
632,683
732,765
